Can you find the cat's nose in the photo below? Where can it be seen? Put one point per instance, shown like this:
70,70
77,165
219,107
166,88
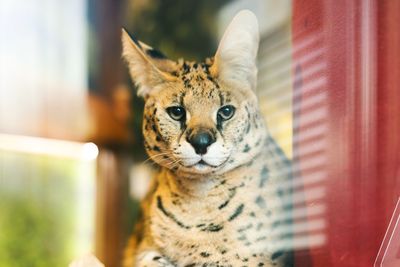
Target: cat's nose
200,141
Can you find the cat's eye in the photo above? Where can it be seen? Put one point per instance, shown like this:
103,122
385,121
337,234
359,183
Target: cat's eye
177,113
226,112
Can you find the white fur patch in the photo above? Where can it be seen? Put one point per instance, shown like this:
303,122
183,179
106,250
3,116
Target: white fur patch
187,154
216,154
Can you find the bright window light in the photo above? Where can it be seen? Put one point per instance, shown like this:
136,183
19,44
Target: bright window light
49,147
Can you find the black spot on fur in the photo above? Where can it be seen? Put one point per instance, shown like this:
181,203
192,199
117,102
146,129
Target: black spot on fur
232,193
261,238
248,113
276,255
280,192
246,149
146,145
223,205
275,224
181,97
205,254
260,201
185,68
221,99
248,127
219,124
154,128
245,228
213,228
187,84
205,67
264,176
242,238
237,212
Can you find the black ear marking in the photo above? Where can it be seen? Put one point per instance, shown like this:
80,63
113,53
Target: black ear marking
136,41
156,54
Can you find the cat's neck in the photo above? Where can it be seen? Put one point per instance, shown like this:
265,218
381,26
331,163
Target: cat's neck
196,185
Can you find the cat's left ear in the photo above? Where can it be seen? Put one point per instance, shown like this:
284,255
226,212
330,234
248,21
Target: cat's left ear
235,60
147,66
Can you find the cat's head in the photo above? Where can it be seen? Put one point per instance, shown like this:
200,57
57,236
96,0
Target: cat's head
200,117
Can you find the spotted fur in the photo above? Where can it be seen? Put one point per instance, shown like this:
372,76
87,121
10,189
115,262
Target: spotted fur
226,207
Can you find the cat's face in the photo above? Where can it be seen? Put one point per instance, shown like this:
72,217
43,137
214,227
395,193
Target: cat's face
199,117
197,124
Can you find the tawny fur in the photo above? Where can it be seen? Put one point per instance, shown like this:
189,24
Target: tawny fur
234,211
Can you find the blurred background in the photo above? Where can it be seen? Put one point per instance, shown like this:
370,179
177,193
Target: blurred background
70,121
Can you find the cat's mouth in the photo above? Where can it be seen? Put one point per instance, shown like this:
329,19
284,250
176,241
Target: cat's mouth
202,162
202,166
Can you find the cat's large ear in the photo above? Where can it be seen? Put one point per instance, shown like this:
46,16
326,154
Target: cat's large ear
147,66
235,60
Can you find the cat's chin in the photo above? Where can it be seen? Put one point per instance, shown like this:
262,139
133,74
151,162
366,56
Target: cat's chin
198,168
201,168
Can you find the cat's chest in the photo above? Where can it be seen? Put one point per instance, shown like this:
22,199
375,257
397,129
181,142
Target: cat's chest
229,243
234,227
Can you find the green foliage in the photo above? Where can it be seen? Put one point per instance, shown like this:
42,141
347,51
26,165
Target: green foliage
179,28
31,236
37,211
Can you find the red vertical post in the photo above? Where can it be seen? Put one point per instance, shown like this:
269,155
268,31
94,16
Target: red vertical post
356,77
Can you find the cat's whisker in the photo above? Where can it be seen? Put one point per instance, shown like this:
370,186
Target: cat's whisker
173,163
152,157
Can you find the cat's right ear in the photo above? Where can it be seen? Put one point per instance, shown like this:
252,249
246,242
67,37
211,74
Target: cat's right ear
235,60
143,70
